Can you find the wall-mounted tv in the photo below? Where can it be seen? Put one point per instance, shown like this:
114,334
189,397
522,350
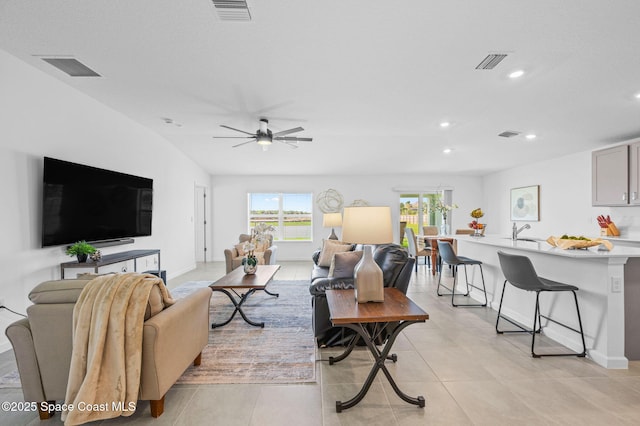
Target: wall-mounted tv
87,203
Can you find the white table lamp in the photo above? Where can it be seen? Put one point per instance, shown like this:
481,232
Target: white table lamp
331,220
367,225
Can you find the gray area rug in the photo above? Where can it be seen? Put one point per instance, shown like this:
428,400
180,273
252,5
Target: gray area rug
281,352
10,380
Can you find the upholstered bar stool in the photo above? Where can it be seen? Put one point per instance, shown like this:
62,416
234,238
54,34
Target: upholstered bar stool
445,250
519,271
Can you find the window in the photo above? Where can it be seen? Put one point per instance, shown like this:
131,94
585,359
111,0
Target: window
416,210
289,214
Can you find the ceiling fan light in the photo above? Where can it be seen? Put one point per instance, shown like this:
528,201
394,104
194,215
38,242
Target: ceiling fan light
264,140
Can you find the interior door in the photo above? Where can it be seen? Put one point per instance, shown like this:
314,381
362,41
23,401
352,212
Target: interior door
201,223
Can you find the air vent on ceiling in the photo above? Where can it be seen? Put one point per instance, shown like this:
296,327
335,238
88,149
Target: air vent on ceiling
72,66
491,61
232,10
509,134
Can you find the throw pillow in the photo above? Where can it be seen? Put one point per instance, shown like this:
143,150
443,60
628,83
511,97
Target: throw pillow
240,248
343,264
328,250
262,245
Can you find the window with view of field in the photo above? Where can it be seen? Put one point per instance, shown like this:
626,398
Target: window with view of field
289,213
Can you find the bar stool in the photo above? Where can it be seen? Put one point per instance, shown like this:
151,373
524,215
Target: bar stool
519,271
445,250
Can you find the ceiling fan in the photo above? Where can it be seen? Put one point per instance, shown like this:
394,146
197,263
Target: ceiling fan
265,137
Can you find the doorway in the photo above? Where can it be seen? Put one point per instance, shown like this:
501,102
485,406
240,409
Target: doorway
200,223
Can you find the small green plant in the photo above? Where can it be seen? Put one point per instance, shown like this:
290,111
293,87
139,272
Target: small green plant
250,260
80,248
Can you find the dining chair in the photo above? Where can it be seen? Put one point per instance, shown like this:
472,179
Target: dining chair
448,256
430,230
414,251
519,271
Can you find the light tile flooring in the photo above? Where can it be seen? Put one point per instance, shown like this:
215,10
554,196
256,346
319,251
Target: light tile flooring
467,373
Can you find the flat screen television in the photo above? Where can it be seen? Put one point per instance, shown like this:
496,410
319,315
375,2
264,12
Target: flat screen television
87,203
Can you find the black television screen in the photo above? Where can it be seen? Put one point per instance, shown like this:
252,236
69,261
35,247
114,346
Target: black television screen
87,203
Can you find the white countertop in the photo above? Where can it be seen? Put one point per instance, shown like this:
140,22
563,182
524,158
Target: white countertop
541,246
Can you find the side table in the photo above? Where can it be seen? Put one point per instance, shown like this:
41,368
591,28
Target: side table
369,320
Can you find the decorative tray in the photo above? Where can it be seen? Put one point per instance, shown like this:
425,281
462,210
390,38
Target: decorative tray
571,244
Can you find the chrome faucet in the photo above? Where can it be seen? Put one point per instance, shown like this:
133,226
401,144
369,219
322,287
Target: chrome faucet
515,231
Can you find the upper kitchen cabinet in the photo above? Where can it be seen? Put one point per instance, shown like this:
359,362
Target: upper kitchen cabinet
610,176
634,173
616,176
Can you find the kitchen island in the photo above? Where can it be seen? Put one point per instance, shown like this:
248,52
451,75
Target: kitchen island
609,295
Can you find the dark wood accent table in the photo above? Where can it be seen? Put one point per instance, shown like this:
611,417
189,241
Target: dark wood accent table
237,279
432,241
369,320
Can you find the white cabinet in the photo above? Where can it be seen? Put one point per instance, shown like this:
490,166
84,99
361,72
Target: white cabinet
634,173
610,176
616,176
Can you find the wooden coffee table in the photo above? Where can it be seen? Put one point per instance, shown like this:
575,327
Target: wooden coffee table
369,320
238,280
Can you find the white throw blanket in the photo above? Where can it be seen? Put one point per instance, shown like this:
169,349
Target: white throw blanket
108,319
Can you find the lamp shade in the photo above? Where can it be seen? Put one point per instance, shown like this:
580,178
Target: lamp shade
367,225
329,220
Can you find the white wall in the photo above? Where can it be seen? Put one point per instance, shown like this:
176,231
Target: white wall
41,116
565,199
229,195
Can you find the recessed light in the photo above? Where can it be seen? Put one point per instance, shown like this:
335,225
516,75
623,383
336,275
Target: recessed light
516,74
638,95
447,150
445,124
530,136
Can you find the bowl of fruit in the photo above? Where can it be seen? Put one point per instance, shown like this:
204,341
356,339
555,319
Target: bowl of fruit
572,242
477,227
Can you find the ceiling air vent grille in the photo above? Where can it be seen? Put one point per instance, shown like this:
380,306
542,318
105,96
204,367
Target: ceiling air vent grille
491,61
232,10
509,134
71,66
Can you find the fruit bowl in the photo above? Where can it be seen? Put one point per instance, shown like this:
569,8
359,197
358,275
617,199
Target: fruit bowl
575,243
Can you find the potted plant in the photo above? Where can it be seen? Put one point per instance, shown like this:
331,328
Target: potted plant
81,250
250,261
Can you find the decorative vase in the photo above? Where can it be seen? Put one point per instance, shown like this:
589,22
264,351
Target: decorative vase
249,268
444,228
82,258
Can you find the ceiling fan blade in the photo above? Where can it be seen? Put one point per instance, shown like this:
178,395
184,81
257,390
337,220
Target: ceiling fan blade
287,132
291,144
243,143
292,139
237,130
232,137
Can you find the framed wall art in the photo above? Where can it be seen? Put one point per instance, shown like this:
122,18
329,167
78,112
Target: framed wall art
525,203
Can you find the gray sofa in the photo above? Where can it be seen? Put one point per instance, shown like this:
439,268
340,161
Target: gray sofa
173,339
396,266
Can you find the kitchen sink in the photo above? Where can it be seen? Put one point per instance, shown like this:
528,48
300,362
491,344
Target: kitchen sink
531,240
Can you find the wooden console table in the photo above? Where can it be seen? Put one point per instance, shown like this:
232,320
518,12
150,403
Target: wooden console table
110,259
369,320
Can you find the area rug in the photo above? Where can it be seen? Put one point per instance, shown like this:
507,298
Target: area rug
10,380
281,352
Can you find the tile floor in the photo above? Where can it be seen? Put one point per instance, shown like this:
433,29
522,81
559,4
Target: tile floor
467,373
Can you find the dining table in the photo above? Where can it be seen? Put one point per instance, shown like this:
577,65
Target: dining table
432,242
